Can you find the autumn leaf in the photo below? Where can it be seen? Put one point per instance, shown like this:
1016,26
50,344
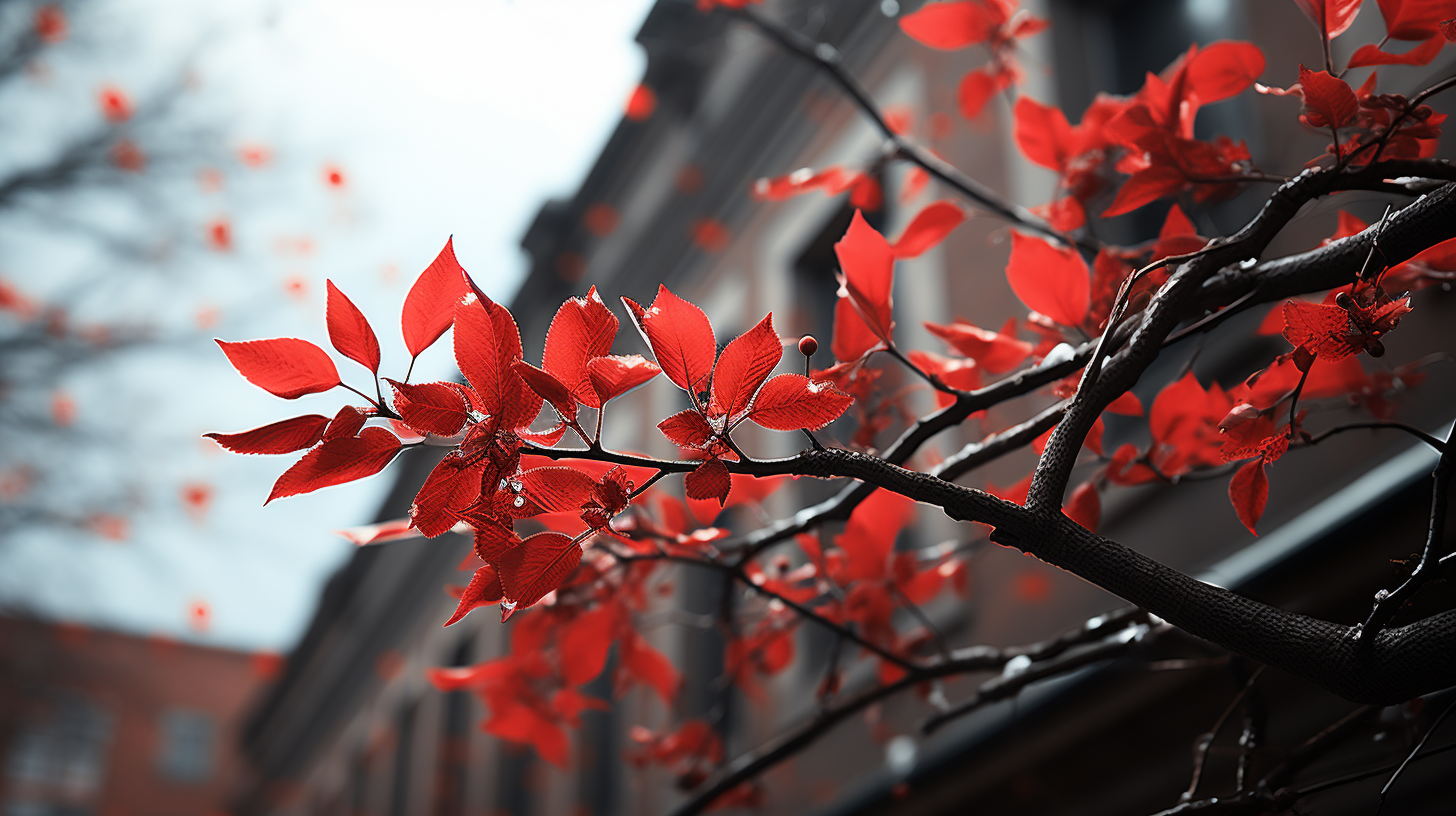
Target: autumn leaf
555,489
1331,17
928,228
1328,100
535,567
484,588
286,436
709,481
285,367
1223,69
868,277
1050,280
475,352
1042,133
585,642
792,402
742,367
582,329
1422,54
852,336
337,461
437,408
948,26
687,429
681,339
1249,492
616,374
647,665
429,308
349,331
996,352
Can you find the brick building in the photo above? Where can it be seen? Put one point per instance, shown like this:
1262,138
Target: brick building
97,723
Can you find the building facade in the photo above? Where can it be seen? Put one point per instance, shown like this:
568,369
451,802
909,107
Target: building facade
97,723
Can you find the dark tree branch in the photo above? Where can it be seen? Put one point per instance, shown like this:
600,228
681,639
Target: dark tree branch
829,60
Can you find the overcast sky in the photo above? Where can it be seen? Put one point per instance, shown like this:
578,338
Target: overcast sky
446,117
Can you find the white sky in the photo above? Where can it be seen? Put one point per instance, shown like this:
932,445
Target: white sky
448,117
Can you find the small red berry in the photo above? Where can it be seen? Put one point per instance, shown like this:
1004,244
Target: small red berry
808,345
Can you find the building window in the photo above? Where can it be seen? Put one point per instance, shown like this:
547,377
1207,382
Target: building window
57,763
187,747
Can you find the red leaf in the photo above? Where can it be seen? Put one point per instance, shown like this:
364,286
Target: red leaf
429,308
1420,55
681,339
1042,133
585,642
792,402
583,328
1324,330
280,437
484,588
996,352
349,331
963,375
832,180
976,89
475,352
450,488
616,374
709,481
649,666
337,461
1177,237
929,227
1084,507
1223,69
868,279
1049,280
1249,492
286,367
951,25
743,366
536,566
869,536
548,388
1331,17
1145,186
687,429
346,423
1328,100
437,408
852,336
556,489
1414,19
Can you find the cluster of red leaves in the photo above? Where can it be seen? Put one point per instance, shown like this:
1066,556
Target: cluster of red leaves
726,389
872,577
486,485
1418,21
1148,136
997,24
534,694
1364,117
